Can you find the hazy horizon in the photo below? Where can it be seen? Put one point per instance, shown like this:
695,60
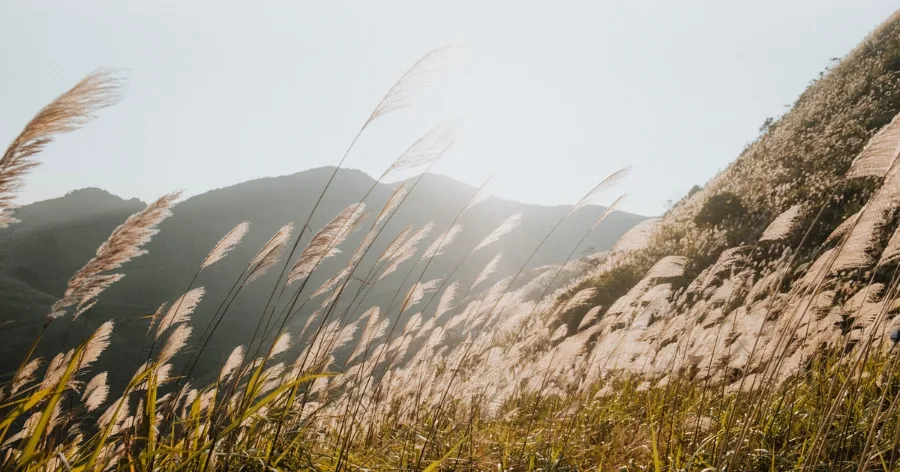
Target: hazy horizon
391,183
552,99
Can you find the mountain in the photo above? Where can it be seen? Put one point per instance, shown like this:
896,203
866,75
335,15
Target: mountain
56,237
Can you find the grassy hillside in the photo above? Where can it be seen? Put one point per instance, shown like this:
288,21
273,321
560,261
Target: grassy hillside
801,158
56,237
753,327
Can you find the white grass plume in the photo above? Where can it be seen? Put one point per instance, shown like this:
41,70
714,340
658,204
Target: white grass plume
371,333
123,244
589,317
371,316
270,253
95,392
391,250
189,397
363,247
155,316
892,250
819,269
92,289
446,301
163,374
278,239
844,227
858,245
84,307
400,345
332,282
413,79
879,154
96,344
282,344
27,430
413,324
406,250
559,333
669,266
233,361
114,412
608,211
460,317
426,150
330,299
417,292
489,269
425,328
373,329
226,244
409,245
393,201
344,336
727,260
579,299
783,225
856,250
271,377
506,226
316,349
605,183
324,244
177,340
638,237
445,239
25,374
56,368
309,322
436,336
181,310
479,196
66,113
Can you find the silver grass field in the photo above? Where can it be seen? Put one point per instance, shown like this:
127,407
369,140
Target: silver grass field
760,343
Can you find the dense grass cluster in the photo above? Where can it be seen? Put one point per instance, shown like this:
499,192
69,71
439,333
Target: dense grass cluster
710,343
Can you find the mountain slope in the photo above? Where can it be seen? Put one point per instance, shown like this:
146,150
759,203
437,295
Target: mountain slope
57,237
771,258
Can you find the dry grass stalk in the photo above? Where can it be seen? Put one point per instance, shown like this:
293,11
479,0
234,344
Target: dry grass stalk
505,227
66,113
226,244
324,244
123,244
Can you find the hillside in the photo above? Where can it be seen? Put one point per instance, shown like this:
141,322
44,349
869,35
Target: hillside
753,327
771,255
56,237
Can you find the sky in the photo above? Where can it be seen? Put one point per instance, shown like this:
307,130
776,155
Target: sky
551,97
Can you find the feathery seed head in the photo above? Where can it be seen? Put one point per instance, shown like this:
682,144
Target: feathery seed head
177,340
506,226
226,244
233,361
324,243
66,113
181,310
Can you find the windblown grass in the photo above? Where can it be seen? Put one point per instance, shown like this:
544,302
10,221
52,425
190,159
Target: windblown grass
772,349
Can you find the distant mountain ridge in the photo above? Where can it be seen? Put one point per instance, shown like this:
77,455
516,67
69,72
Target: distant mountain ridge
56,237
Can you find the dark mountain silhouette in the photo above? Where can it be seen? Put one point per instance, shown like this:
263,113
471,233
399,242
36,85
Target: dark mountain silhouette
56,237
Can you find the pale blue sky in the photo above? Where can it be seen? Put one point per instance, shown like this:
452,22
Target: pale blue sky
553,95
